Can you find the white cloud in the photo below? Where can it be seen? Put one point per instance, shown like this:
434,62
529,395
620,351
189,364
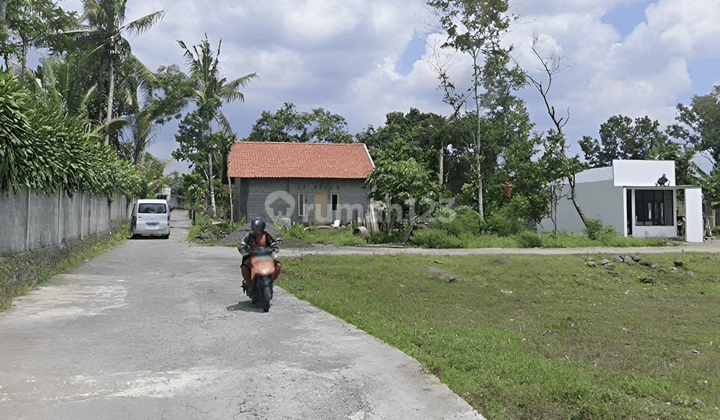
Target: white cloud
643,74
689,28
342,55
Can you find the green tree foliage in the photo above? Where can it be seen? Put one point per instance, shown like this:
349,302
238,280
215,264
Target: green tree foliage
474,27
34,24
56,83
193,143
290,125
622,138
104,31
415,135
43,149
699,124
560,170
152,171
560,167
405,183
168,94
510,154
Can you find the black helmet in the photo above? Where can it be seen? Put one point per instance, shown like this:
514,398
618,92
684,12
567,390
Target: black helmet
257,226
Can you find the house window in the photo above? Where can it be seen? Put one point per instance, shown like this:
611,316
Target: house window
654,208
334,202
301,205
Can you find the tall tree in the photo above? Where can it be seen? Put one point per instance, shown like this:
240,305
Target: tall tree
210,91
417,131
106,27
559,164
33,23
623,138
57,83
474,27
699,124
290,125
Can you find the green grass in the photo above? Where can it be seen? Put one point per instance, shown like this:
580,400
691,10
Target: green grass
535,337
36,268
435,238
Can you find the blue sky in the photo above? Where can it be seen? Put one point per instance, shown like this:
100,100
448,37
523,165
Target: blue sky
364,58
704,72
625,16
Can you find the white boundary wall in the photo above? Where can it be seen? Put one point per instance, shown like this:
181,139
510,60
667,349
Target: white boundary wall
31,220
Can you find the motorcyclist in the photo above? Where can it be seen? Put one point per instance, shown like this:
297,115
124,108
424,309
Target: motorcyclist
256,238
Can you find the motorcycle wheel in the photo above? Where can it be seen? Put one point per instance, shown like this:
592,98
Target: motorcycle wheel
267,295
265,292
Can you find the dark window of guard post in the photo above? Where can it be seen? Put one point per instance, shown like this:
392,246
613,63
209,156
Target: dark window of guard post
654,208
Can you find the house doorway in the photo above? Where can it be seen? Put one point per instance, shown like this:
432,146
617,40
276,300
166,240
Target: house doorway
628,211
321,208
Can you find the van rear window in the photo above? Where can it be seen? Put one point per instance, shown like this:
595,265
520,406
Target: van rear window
151,208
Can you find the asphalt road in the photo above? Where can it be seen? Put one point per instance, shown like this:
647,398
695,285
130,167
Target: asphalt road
159,329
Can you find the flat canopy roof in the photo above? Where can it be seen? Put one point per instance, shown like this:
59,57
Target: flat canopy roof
661,187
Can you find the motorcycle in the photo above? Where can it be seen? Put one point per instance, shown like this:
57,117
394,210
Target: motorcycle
263,272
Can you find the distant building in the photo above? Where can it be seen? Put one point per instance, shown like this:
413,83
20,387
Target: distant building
637,197
304,182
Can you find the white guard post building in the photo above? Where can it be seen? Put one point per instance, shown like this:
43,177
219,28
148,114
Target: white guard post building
637,197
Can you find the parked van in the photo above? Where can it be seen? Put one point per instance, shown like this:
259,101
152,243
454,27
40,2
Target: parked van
150,218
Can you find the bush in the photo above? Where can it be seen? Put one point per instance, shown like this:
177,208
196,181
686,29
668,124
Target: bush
385,238
297,231
595,230
509,219
458,221
529,239
436,238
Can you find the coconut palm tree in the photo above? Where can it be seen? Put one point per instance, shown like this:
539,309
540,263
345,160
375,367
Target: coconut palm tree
106,27
210,91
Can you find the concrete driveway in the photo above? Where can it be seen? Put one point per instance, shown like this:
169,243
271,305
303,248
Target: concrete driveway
159,329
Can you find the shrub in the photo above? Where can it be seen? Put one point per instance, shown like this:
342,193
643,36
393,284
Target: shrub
509,219
458,221
595,230
385,238
437,238
529,239
297,231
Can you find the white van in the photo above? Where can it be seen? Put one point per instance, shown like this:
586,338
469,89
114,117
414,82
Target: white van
150,218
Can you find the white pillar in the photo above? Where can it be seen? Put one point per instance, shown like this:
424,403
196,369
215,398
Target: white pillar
693,215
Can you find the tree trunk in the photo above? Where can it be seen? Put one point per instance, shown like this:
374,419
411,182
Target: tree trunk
212,186
23,61
230,188
3,8
480,188
481,210
442,171
573,197
110,100
476,77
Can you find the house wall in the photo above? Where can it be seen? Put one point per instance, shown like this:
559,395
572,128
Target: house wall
600,199
693,215
642,172
253,197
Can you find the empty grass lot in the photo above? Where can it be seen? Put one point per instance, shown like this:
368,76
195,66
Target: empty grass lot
539,337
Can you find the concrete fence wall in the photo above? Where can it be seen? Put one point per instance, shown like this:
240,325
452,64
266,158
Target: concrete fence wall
31,220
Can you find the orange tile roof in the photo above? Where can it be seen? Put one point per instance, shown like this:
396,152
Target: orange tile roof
299,160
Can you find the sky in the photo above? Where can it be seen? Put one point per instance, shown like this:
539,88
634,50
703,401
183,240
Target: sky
365,58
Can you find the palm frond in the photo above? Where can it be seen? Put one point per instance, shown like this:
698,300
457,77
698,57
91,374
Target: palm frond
224,124
141,25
